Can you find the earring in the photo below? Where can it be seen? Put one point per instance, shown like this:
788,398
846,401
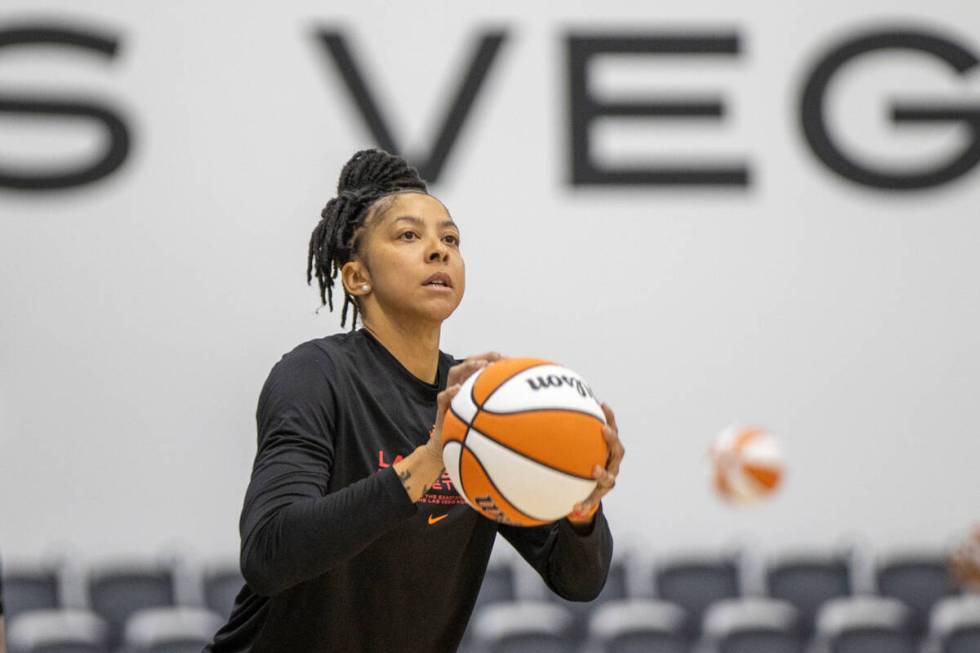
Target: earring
365,287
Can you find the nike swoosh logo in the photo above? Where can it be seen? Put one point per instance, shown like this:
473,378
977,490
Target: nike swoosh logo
433,519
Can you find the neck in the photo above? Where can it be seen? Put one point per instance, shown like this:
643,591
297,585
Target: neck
414,344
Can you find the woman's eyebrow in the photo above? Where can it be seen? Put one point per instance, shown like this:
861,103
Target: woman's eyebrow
414,219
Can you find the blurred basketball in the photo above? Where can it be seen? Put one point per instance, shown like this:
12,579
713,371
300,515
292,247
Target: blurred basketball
748,464
521,439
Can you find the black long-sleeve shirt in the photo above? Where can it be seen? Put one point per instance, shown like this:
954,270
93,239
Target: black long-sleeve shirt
335,555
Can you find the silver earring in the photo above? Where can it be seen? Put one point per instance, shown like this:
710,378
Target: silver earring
365,287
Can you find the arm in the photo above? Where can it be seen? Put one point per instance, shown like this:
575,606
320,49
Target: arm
292,530
573,560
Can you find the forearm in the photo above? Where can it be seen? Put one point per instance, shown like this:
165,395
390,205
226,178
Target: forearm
306,538
580,560
573,562
418,471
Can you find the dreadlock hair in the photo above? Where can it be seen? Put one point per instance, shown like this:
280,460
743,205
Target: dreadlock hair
368,176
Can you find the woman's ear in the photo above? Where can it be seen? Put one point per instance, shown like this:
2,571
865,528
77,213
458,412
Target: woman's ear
355,277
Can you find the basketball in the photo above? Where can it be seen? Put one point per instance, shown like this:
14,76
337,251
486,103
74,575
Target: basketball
521,439
748,464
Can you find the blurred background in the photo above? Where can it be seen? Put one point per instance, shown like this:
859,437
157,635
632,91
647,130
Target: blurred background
715,213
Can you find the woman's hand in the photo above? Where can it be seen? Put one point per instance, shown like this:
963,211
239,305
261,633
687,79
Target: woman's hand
583,512
457,375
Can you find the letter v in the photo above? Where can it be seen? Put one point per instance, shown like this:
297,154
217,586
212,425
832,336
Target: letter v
430,168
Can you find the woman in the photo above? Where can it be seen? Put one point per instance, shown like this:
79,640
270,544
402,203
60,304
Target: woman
353,538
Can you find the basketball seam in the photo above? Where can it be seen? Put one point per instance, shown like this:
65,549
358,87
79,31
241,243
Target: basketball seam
524,455
490,480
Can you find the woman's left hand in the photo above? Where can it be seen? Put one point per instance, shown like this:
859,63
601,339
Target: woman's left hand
584,512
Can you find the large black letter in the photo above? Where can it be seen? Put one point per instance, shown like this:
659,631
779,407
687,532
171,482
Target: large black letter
584,109
430,167
117,146
814,121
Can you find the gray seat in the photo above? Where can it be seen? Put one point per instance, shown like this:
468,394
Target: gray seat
919,580
954,625
57,631
751,625
30,588
170,630
116,591
864,625
222,585
808,581
696,582
639,626
523,627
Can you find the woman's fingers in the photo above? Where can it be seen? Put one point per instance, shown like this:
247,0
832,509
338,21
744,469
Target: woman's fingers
471,365
442,404
489,356
611,434
605,479
444,397
463,371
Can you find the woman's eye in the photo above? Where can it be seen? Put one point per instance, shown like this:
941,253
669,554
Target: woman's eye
453,240
408,235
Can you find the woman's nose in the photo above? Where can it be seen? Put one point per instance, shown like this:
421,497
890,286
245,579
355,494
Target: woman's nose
438,251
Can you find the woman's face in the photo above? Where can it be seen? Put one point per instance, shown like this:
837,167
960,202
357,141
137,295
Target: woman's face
412,258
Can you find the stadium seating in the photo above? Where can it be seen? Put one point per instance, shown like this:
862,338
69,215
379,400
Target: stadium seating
170,630
638,626
864,625
807,581
150,607
30,588
695,582
918,580
751,625
954,626
523,627
58,631
116,591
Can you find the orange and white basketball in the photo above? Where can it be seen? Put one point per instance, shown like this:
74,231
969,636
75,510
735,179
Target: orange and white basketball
748,464
521,439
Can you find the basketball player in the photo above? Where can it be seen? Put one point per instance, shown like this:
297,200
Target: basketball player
353,538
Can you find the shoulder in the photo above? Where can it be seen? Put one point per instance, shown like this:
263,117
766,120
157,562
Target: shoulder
309,368
327,354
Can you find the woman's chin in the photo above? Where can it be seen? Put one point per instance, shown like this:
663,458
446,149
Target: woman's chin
437,311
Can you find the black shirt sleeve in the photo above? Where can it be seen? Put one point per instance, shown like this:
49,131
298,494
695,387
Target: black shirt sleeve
292,530
574,565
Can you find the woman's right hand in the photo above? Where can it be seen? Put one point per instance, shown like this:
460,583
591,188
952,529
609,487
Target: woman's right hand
457,375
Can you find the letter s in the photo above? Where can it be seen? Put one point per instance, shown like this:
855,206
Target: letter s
117,146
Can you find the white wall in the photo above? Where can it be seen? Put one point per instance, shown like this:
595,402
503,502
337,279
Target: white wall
140,315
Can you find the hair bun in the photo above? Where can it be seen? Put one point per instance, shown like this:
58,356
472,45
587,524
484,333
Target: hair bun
374,172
